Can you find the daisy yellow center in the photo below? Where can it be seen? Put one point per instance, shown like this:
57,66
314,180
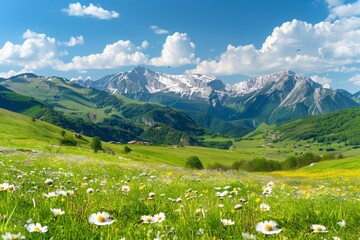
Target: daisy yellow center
101,218
37,229
1,187
268,227
159,218
318,229
57,213
148,219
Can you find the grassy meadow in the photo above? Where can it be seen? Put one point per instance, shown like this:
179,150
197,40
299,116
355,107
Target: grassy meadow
149,195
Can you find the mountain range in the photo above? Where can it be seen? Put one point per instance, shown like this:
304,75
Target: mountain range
171,109
229,109
96,113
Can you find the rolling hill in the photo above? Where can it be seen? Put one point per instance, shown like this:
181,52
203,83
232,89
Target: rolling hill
340,126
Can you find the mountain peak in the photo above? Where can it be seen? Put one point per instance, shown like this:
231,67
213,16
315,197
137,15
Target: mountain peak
25,75
140,70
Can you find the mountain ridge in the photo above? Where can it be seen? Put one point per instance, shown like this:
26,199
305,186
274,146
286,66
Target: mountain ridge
232,110
272,98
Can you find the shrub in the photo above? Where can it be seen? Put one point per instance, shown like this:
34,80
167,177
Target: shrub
127,150
62,132
218,166
68,141
194,163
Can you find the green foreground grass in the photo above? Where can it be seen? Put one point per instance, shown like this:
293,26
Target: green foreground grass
190,200
193,202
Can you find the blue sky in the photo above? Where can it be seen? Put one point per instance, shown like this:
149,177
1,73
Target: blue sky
233,39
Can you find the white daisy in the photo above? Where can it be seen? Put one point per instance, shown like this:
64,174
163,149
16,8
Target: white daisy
267,191
49,181
100,218
36,228
318,228
147,219
57,211
238,206
4,186
90,190
160,217
341,223
125,188
248,236
270,184
267,227
10,236
151,195
227,222
264,207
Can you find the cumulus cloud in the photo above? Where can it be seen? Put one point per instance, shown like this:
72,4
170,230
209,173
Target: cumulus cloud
158,30
74,41
177,50
325,81
355,79
334,3
76,9
120,53
144,45
338,10
37,51
295,45
10,73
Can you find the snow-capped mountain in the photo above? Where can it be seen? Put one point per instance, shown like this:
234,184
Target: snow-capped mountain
141,82
259,82
272,98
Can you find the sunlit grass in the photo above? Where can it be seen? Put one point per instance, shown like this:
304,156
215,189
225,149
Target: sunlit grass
189,199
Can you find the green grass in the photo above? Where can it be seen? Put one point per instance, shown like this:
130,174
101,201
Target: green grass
322,194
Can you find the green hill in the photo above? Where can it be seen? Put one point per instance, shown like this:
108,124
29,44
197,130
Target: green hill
112,117
341,127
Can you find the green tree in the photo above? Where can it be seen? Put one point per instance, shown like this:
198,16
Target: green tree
194,163
127,149
96,144
62,132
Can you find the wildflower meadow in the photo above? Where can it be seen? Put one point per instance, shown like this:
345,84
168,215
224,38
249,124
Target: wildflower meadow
59,196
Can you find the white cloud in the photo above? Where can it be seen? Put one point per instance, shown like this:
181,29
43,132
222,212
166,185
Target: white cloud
74,41
144,45
295,45
177,50
355,79
325,81
158,30
11,73
76,9
37,51
120,53
338,10
334,3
